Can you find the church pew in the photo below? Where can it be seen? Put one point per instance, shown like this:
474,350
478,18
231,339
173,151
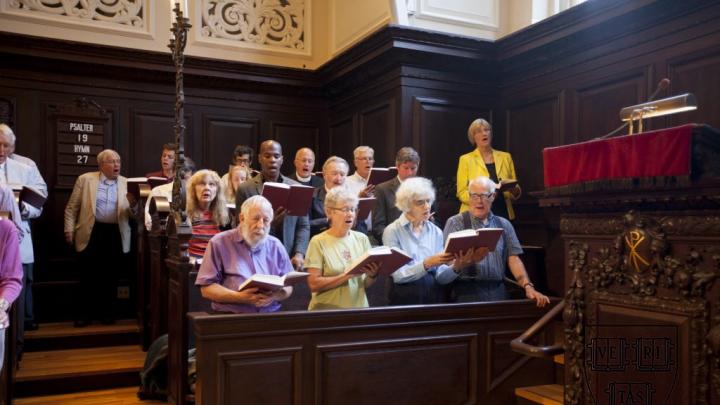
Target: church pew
454,353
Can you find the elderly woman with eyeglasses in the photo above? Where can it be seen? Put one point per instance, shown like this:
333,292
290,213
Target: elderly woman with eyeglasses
486,161
483,279
412,232
331,252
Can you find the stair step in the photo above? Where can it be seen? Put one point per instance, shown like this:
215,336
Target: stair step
63,335
551,394
118,396
62,371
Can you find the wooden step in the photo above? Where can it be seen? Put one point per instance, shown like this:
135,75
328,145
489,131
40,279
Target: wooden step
63,335
63,371
559,358
542,394
118,396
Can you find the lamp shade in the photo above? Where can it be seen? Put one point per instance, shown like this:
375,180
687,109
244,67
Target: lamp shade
665,106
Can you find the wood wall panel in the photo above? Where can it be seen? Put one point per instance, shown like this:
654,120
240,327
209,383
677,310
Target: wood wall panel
598,105
253,368
377,130
152,129
700,74
449,361
293,136
342,140
440,129
222,134
530,128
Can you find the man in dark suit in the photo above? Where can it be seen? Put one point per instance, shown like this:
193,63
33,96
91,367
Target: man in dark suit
304,165
385,212
293,231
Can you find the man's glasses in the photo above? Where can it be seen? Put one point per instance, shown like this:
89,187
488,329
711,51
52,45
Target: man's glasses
484,196
420,203
366,159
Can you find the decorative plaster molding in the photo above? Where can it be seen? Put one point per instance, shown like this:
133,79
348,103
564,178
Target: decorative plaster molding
129,14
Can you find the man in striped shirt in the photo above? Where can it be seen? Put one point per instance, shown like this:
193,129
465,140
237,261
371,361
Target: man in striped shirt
483,281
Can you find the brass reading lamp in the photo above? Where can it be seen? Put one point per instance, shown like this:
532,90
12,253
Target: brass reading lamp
657,108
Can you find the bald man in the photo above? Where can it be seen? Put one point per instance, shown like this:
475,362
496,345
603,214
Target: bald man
304,165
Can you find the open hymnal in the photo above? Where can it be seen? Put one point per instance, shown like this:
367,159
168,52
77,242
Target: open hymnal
461,241
138,186
381,174
388,258
272,283
295,198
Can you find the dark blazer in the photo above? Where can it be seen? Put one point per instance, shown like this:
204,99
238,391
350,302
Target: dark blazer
295,234
385,211
315,181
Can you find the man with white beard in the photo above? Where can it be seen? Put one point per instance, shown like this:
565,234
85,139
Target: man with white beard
234,256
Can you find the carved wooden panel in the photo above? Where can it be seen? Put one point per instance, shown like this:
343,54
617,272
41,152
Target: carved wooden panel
221,134
448,361
342,140
699,74
253,369
377,130
598,105
440,128
531,127
150,130
293,136
7,111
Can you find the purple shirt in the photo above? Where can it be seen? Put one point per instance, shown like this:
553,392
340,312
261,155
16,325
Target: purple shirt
230,261
10,265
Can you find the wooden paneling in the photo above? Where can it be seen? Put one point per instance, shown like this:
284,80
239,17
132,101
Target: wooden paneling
700,74
377,130
222,133
293,136
152,129
440,129
342,140
530,128
434,354
598,105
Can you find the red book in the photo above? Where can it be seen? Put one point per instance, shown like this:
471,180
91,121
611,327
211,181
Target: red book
295,198
381,174
272,283
365,207
461,241
157,181
389,258
138,187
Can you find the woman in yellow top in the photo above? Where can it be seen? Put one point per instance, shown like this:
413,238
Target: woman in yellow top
488,162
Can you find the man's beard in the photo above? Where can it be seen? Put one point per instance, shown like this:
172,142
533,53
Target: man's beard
249,238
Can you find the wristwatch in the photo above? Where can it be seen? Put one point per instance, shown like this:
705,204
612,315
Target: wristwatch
528,284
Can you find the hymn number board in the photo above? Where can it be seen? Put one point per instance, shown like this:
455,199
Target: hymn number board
79,142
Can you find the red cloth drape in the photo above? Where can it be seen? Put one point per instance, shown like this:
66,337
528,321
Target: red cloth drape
665,152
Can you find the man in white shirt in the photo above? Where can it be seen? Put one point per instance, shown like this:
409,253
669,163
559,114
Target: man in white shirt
15,174
165,190
363,159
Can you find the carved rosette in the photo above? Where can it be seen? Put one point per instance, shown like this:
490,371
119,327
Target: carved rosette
275,23
124,12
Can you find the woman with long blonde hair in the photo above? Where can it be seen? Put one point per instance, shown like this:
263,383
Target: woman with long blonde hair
206,208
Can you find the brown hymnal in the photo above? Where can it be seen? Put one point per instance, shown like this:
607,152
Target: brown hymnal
138,187
461,241
365,207
272,283
157,181
506,185
32,196
381,174
389,258
295,198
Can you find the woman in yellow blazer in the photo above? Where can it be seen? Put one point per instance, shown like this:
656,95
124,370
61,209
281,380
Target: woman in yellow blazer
486,161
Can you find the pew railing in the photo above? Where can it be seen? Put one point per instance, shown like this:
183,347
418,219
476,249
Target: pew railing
521,346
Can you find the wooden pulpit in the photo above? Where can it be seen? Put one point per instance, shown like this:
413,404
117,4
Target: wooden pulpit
640,224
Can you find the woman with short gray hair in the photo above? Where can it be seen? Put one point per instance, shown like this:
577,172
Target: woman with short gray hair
412,232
